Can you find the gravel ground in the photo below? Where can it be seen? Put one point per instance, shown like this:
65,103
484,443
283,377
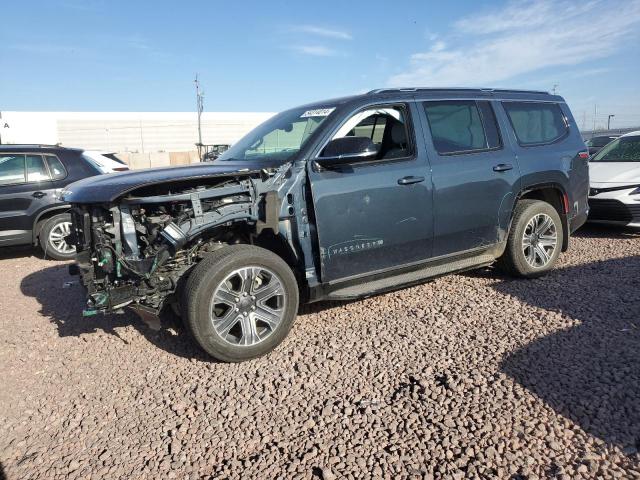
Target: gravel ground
474,375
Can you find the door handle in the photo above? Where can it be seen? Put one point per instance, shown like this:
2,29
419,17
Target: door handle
38,194
503,167
409,180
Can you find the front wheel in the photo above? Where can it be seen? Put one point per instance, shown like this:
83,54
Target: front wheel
535,240
240,302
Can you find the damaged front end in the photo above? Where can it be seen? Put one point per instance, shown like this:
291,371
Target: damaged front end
134,251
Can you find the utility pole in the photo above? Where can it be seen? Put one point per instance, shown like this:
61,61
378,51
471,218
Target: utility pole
199,107
609,121
595,113
142,141
555,88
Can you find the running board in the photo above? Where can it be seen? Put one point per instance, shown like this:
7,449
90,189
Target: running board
413,277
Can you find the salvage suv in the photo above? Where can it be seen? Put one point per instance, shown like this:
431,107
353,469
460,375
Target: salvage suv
340,199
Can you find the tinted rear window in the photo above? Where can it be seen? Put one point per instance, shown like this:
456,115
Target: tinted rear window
536,123
462,126
36,171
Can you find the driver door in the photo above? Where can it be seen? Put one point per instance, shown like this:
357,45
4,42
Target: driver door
376,214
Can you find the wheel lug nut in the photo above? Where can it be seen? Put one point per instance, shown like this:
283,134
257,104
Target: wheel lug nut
253,307
253,297
237,309
237,299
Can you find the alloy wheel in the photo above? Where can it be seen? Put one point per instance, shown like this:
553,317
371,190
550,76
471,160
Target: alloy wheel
57,238
539,240
248,305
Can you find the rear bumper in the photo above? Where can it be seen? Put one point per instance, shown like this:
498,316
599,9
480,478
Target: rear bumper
576,222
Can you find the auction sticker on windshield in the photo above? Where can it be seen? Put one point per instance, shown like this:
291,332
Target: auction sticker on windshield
319,112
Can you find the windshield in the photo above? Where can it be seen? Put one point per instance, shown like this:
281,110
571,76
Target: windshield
623,149
279,138
598,142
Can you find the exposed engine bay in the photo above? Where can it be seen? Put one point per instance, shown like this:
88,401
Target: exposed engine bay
134,252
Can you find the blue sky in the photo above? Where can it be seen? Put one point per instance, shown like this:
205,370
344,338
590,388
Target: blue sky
99,55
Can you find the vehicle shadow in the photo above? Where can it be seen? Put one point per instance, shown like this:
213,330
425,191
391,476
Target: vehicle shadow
25,251
22,251
589,373
63,304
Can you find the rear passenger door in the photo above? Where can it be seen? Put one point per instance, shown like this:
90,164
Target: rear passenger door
475,178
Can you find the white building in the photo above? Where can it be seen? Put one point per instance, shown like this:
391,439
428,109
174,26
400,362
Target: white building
136,132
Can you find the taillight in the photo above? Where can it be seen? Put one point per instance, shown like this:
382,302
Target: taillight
583,155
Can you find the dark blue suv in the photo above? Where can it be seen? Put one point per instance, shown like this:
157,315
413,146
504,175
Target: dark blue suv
30,211
335,200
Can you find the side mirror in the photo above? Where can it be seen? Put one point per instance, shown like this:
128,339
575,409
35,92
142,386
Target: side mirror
347,150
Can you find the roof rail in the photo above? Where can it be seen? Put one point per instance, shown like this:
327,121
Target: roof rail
32,145
456,89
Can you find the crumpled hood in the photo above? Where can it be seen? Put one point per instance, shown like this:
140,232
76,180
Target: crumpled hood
107,188
614,173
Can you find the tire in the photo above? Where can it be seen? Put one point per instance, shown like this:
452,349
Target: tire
51,238
233,319
531,236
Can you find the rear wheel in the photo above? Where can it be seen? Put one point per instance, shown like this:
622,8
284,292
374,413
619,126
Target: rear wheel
53,237
240,302
535,240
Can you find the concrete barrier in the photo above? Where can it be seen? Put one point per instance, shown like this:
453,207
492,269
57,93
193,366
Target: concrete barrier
137,161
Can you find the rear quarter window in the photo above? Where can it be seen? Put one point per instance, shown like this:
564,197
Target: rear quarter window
536,123
58,172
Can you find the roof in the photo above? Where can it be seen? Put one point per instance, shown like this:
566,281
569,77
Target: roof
12,147
453,89
632,134
402,94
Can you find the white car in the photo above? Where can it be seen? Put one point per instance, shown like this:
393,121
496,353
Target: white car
105,162
614,196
